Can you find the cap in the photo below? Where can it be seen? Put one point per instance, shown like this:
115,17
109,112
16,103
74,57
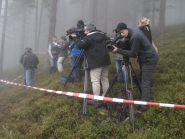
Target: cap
121,26
80,23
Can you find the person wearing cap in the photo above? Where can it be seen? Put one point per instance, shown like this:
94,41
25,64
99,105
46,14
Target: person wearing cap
75,53
21,61
98,60
142,48
63,53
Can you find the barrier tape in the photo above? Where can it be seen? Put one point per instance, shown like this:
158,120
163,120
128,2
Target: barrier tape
12,81
102,98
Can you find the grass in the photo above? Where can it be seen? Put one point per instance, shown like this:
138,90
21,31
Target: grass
32,114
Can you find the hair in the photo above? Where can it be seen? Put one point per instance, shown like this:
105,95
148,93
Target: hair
144,21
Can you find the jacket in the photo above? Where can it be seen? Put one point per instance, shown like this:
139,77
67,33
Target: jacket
146,30
141,47
64,47
30,61
94,45
54,49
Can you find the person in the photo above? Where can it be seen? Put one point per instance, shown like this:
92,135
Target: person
144,26
97,55
21,61
53,53
30,62
142,48
118,60
63,53
75,53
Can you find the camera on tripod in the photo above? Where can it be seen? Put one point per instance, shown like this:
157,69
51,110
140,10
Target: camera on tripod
79,31
119,42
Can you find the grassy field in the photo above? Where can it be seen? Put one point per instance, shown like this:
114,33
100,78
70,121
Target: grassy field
32,114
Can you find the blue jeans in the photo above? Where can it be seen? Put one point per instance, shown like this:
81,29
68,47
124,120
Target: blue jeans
125,72
76,71
53,65
30,73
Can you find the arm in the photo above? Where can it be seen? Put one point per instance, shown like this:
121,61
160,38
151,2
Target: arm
82,44
135,46
64,45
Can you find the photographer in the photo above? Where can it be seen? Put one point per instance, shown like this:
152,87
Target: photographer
147,58
97,55
75,52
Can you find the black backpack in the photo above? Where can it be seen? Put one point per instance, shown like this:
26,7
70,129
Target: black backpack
30,60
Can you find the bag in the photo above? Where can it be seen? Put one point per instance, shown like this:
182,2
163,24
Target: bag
64,78
30,61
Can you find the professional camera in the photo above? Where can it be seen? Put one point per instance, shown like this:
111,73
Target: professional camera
119,42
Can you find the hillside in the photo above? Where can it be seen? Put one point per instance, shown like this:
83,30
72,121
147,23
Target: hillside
32,114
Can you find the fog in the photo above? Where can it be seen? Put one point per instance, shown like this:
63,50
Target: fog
24,18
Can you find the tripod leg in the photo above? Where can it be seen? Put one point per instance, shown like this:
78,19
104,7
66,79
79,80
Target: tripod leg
130,97
85,87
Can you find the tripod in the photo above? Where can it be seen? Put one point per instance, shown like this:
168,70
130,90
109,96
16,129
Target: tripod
128,91
84,105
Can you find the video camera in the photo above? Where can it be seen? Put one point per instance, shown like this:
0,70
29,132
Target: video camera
79,31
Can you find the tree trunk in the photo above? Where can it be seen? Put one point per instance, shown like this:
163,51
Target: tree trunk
153,13
52,20
0,6
36,20
95,10
23,30
3,39
105,21
161,23
40,22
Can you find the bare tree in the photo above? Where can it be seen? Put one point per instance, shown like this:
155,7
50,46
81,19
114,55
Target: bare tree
161,23
3,38
52,19
40,22
105,21
36,20
95,10
0,6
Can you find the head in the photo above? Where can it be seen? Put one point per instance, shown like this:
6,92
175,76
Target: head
122,29
144,21
80,24
54,38
63,38
29,50
89,27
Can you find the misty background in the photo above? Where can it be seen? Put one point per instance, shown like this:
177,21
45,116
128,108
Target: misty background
32,23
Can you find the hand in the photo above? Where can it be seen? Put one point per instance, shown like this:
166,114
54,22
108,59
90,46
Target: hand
73,35
115,49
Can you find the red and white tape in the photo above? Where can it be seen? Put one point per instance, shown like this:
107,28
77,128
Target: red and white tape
102,98
12,81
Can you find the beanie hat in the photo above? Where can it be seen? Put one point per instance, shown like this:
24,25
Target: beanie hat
121,26
63,38
80,24
89,26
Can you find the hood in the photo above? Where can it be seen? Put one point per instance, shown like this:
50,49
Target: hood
97,36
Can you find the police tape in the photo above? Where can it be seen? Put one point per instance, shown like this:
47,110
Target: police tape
12,81
102,98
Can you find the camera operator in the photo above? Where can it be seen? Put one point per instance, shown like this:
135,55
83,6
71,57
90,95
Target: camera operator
97,55
147,58
75,52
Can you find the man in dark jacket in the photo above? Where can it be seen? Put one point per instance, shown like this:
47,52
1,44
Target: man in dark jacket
30,62
98,60
21,61
142,48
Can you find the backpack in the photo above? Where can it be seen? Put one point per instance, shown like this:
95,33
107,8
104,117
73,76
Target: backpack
30,60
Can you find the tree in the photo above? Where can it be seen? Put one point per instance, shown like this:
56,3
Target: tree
161,23
52,17
3,38
0,6
36,20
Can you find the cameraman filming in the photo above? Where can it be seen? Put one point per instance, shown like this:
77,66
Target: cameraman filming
142,48
98,60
